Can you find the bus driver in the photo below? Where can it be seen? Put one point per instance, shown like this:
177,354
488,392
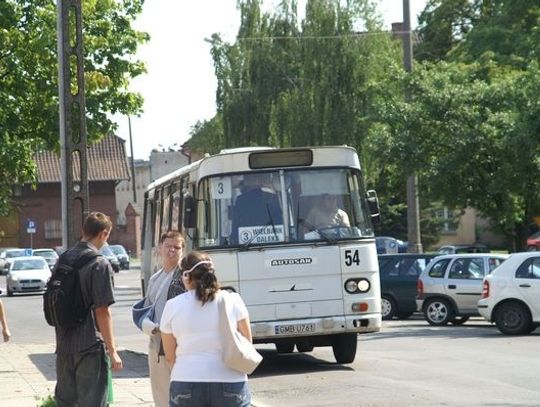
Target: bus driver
326,214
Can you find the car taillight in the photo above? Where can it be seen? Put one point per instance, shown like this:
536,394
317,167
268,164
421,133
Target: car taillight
485,289
419,288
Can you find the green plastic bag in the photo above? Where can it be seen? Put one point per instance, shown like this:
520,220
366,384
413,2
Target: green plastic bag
110,396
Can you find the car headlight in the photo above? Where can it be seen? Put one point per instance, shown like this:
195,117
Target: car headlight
13,278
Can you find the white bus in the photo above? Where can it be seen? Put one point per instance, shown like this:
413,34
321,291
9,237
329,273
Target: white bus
260,214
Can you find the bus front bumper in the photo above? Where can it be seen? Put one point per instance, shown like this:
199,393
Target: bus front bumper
361,323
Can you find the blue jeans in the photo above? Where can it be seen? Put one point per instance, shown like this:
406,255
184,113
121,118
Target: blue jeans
196,394
81,378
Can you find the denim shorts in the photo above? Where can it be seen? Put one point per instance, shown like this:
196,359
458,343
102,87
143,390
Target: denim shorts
197,394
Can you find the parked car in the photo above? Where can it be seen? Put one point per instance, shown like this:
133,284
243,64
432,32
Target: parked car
109,255
511,295
6,257
27,274
399,273
50,256
463,248
533,242
3,258
121,254
448,289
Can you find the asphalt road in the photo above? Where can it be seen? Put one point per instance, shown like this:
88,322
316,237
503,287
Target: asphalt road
408,363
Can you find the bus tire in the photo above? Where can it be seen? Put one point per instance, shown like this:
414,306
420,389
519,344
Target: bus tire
285,347
344,347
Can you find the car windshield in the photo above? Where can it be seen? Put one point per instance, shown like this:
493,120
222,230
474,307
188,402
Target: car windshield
48,254
116,249
282,206
15,253
106,251
30,264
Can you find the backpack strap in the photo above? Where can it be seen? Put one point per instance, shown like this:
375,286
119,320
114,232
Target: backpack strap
84,257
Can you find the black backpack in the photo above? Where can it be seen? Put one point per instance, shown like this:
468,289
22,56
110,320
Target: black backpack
63,303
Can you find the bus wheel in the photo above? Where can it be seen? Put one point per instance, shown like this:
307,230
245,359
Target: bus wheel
304,347
344,347
285,347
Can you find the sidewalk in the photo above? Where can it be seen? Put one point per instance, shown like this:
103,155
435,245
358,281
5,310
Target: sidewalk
27,375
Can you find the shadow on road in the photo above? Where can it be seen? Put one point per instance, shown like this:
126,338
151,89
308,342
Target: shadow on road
276,364
135,365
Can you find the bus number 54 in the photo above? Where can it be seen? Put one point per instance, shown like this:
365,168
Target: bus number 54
352,256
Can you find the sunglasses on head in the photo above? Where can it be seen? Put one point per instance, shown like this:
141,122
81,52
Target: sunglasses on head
185,274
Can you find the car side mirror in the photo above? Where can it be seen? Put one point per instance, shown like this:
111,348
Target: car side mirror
373,205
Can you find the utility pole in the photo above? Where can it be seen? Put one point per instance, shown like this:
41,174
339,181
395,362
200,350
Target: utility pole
72,109
413,204
133,183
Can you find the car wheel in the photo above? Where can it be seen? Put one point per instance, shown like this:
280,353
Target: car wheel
513,319
459,320
304,347
388,307
344,347
438,312
285,347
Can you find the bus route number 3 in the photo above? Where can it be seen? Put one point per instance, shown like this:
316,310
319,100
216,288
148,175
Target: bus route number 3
352,256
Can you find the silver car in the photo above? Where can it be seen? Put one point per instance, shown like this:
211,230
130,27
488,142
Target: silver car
450,287
27,274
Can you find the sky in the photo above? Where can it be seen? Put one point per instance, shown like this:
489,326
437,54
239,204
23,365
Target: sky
179,87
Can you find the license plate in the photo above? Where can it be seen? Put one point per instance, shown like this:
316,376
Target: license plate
29,285
294,329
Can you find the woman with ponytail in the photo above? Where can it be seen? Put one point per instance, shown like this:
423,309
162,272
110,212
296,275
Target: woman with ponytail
192,340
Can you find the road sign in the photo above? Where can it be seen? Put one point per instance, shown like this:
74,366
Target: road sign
30,226
28,252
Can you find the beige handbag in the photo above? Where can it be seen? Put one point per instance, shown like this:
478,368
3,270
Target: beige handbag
238,353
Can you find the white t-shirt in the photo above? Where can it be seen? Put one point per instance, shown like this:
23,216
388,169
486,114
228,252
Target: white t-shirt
198,338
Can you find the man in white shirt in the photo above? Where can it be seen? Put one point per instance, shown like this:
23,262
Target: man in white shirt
163,285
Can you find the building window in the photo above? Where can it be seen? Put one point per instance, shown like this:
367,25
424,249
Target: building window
53,229
449,219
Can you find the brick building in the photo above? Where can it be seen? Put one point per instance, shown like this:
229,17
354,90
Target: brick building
107,166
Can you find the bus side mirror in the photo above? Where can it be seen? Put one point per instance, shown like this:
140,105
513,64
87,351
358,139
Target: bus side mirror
189,212
373,205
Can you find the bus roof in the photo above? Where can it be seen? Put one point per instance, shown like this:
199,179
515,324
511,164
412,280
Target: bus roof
237,160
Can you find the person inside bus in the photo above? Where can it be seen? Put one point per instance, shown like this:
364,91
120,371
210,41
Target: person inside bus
325,213
258,205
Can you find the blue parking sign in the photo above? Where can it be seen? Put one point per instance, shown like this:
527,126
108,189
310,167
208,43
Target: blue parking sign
30,226
28,252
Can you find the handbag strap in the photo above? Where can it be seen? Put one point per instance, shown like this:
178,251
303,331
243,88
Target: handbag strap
224,323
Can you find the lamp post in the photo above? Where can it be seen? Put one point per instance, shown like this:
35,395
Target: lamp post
413,203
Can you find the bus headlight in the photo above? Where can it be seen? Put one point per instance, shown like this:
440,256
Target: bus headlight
351,286
357,285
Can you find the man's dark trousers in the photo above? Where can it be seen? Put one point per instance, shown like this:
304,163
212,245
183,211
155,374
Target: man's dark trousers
82,378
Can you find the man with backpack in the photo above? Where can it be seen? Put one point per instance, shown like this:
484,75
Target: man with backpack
77,303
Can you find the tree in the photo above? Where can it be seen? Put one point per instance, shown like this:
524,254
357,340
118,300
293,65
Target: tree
474,143
29,78
287,84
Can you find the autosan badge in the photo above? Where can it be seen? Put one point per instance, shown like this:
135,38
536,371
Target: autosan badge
291,262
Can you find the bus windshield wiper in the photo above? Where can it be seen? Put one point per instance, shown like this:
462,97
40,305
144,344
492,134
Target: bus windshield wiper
313,228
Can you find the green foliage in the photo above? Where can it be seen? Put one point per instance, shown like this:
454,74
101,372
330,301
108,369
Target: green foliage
47,402
285,83
29,78
474,143
207,136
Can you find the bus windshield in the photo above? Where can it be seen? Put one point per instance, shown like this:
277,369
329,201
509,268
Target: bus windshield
282,206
